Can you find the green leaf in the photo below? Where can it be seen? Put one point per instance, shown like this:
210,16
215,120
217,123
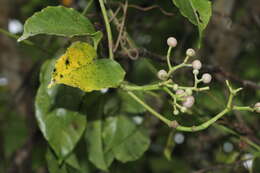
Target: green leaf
57,115
97,38
53,164
169,146
197,11
59,21
96,153
85,72
127,141
71,163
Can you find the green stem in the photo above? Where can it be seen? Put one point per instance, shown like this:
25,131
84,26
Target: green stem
151,110
173,69
148,87
203,125
87,7
109,33
230,131
27,42
169,92
192,88
168,57
140,88
16,37
243,108
179,127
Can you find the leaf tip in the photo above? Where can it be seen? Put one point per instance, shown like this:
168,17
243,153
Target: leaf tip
21,38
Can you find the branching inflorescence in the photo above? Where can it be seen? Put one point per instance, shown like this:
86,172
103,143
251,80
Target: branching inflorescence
182,97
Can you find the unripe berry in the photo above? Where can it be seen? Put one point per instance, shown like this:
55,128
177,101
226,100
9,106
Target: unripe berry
172,42
196,64
196,72
183,109
257,107
190,52
206,78
175,112
189,101
175,87
179,92
188,91
162,74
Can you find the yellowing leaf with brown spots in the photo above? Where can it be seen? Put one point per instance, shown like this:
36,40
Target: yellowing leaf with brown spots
79,68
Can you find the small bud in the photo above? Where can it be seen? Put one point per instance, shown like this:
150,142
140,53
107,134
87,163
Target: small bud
190,52
172,42
175,87
188,91
189,101
175,112
162,74
257,107
179,92
183,109
206,78
196,72
196,64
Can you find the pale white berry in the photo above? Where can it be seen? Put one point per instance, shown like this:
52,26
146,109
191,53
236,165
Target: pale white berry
196,72
175,112
175,87
179,92
257,107
190,52
188,102
162,74
188,91
183,109
196,64
206,78
172,42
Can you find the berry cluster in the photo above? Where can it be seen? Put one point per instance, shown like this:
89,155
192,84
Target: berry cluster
182,95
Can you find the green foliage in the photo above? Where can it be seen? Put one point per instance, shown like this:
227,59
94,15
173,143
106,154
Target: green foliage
197,11
59,21
60,124
69,165
116,138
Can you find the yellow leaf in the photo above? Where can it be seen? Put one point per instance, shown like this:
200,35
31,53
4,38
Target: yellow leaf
79,68
77,55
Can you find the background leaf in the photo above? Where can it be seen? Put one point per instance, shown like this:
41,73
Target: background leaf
127,141
197,11
96,153
61,124
69,165
59,21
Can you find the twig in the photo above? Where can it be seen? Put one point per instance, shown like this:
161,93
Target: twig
108,29
149,8
87,7
121,27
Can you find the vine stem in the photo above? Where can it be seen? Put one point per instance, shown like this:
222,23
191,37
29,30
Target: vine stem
151,110
87,7
185,128
26,42
168,57
108,29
